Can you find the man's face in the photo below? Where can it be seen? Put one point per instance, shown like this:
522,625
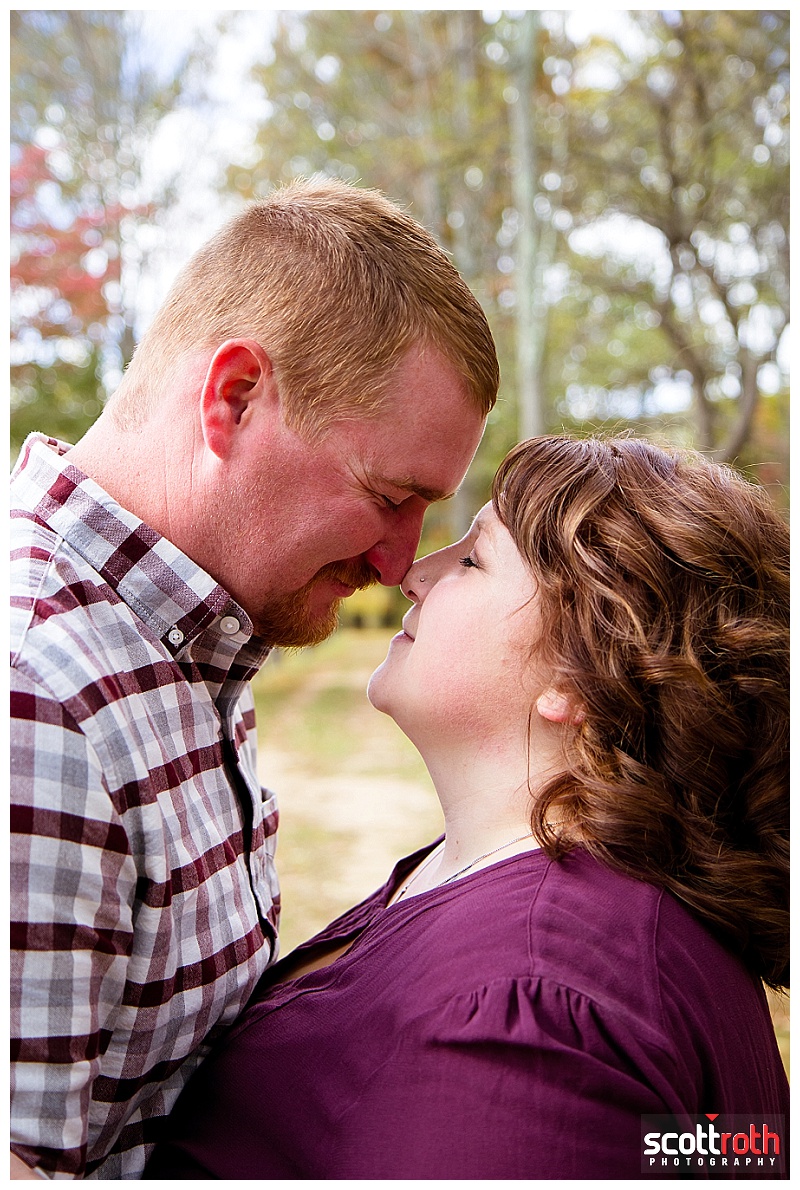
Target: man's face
324,518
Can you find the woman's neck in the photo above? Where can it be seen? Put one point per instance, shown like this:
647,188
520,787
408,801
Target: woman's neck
486,791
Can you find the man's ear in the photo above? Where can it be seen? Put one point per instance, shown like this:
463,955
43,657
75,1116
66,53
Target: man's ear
559,708
240,372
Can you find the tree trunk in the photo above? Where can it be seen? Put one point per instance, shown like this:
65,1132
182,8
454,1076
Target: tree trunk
465,254
748,399
523,149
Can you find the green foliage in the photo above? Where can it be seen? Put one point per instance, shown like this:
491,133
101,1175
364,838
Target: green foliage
62,400
621,213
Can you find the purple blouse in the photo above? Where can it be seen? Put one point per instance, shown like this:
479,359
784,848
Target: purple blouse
516,1023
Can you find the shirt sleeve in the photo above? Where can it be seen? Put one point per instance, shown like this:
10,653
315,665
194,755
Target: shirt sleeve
72,890
572,1078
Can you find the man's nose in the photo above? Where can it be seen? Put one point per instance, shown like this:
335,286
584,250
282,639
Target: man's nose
393,554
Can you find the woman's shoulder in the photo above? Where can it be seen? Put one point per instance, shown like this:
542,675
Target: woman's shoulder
622,943
590,960
616,934
625,925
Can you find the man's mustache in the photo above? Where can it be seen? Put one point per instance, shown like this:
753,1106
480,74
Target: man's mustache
359,573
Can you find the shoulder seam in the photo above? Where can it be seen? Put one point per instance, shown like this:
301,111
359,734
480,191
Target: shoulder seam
654,944
655,1041
59,540
534,899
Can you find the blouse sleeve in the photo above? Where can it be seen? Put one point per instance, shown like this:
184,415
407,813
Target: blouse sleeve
524,1078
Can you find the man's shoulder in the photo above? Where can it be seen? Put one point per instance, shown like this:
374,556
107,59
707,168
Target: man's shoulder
32,541
34,547
67,623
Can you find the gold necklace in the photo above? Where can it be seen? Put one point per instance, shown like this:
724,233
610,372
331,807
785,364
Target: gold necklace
461,871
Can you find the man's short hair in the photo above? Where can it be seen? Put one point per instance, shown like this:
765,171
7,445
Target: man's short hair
337,284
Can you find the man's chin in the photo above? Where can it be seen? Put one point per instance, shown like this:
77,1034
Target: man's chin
311,615
293,627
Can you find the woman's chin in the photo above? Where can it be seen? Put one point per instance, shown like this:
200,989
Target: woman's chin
385,694
376,689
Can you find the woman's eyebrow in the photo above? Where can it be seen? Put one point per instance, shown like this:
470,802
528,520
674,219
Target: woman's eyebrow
483,534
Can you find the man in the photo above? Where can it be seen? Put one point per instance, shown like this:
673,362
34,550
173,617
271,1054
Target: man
316,377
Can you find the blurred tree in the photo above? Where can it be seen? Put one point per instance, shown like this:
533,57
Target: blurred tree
685,139
82,108
620,213
411,102
61,400
523,144
619,206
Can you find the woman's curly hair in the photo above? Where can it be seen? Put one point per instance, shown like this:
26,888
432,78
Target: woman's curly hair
664,591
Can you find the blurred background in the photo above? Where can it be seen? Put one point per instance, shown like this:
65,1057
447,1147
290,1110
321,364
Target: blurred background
613,187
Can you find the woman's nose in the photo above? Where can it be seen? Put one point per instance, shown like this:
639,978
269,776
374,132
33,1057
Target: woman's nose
413,584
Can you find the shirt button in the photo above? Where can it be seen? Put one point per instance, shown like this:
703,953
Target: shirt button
175,636
229,625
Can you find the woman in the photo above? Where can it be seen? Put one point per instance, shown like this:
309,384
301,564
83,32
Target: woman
596,677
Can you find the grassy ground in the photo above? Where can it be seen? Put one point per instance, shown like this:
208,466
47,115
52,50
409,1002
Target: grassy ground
354,794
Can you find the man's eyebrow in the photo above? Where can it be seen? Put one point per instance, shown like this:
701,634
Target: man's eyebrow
431,495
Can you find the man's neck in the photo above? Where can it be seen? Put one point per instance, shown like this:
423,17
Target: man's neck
124,465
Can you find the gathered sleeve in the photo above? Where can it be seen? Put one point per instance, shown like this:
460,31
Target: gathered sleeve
523,1078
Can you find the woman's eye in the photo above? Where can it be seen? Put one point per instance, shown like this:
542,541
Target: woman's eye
467,562
389,503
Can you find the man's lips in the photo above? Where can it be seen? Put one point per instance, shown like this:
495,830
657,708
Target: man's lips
340,589
347,577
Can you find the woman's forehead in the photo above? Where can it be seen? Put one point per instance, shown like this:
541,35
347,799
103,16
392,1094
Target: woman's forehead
485,517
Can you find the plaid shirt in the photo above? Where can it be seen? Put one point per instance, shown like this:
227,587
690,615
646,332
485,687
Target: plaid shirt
144,897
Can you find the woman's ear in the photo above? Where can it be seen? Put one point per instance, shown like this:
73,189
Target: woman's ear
559,708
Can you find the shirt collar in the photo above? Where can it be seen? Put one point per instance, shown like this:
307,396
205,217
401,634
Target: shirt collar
174,596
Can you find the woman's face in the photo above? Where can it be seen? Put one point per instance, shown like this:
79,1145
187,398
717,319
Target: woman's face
462,663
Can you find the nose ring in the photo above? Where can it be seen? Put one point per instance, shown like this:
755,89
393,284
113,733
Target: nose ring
420,580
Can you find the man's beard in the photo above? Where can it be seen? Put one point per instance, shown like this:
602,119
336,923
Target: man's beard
287,621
